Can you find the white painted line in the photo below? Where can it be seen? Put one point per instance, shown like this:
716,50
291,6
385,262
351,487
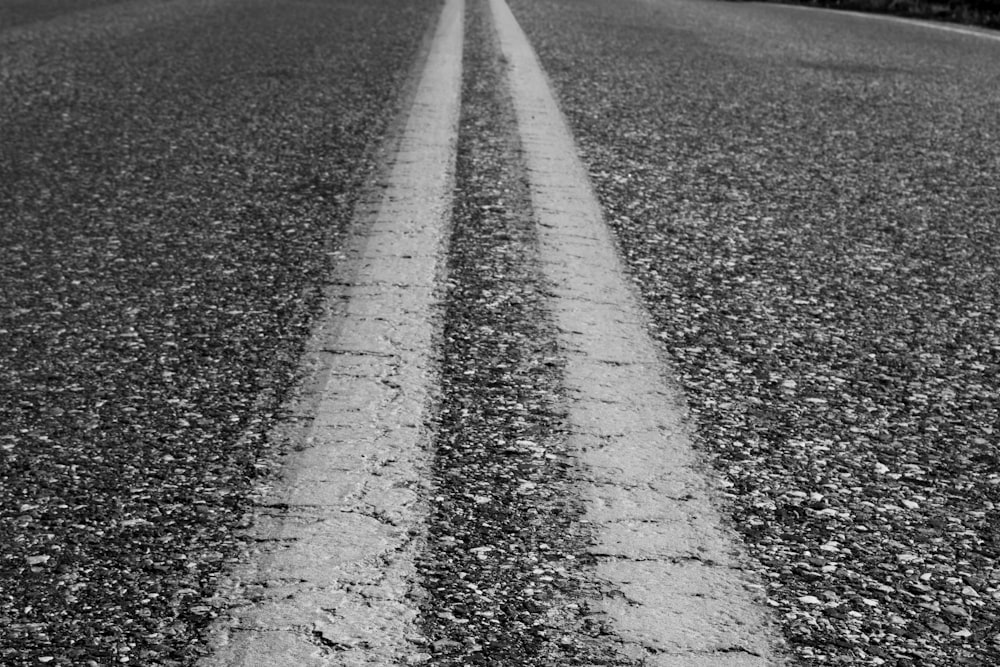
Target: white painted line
681,597
329,586
985,33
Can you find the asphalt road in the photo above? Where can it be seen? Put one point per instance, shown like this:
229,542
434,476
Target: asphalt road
174,177
807,203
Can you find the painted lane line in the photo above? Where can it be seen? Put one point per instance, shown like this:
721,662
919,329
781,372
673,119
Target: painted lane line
682,598
329,586
985,33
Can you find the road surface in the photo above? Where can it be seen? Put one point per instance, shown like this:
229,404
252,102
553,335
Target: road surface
197,199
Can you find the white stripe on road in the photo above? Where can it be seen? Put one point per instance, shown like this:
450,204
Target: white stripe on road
985,33
329,585
676,593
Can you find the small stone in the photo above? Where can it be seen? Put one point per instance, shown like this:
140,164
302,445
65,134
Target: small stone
955,610
443,645
939,626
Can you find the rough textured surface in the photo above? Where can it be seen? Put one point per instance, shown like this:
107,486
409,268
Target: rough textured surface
338,533
671,574
503,570
808,203
173,179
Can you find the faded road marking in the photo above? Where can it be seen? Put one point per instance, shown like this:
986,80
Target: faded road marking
329,584
677,595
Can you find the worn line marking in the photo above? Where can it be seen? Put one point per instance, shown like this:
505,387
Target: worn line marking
330,583
682,599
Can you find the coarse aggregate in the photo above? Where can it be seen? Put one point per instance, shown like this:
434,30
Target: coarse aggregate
503,576
810,212
174,179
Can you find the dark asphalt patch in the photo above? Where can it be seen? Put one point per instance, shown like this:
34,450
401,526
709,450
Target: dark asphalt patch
169,204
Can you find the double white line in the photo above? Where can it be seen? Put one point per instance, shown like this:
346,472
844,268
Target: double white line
330,586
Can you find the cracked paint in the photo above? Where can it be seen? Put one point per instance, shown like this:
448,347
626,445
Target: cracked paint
337,536
664,600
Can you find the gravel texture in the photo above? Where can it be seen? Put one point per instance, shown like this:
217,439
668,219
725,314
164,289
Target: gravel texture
504,570
810,213
172,187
